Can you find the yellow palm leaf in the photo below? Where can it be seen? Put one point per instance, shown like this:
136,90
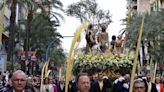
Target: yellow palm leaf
71,53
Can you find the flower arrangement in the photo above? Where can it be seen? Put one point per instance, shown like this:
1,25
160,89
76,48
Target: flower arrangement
100,62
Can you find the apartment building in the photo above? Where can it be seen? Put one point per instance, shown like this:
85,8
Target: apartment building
4,35
5,18
144,6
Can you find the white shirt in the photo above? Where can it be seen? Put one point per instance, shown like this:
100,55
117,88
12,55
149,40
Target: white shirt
49,87
126,85
15,91
158,87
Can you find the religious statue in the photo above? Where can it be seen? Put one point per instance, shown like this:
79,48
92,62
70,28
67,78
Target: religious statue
103,39
90,38
119,42
113,43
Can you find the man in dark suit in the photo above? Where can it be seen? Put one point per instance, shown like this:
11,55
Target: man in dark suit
18,81
122,84
73,86
118,84
61,85
149,85
100,85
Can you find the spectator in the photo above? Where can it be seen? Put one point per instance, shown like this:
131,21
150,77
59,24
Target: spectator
61,85
46,86
53,84
150,87
83,82
159,85
18,80
139,86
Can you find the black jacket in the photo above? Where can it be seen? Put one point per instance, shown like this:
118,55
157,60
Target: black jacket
153,86
11,90
96,87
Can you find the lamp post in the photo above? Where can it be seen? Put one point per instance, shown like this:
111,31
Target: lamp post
47,50
51,43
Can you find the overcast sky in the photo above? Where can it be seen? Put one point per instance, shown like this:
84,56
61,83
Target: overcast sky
117,10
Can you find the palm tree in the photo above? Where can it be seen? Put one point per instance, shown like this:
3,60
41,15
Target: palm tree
41,27
12,31
48,25
58,56
43,5
153,32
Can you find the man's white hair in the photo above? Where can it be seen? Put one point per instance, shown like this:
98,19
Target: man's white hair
18,72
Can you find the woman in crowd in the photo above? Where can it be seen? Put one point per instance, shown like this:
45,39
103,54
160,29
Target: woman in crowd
52,84
47,87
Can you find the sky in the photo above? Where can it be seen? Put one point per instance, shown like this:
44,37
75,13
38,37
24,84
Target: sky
117,9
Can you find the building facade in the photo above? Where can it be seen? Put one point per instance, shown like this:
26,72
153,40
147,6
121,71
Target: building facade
5,20
145,6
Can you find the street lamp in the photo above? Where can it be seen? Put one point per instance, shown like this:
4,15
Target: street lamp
50,44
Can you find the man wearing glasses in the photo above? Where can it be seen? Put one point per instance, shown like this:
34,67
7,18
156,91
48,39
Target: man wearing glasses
139,85
18,82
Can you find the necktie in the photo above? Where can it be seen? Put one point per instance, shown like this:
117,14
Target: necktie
101,85
148,87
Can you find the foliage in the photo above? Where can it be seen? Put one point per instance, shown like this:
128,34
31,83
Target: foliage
153,33
43,30
88,10
40,28
58,56
98,63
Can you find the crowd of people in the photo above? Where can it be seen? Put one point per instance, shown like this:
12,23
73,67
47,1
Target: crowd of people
18,81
